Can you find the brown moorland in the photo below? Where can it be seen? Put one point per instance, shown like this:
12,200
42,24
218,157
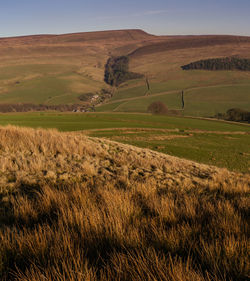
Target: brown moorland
133,43
79,208
188,42
70,44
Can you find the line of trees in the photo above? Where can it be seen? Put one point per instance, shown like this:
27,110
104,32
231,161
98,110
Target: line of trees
25,107
117,71
228,63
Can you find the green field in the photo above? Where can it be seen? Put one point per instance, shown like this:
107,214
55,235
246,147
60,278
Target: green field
222,150
200,101
172,101
211,142
206,92
210,101
45,84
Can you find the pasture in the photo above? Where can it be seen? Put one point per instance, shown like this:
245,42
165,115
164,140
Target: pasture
214,142
45,84
199,101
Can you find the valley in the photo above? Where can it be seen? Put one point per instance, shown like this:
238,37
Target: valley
58,69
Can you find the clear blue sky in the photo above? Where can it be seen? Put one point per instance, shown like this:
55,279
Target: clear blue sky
22,17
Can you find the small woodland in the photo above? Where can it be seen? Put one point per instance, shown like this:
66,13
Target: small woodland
235,114
117,71
228,63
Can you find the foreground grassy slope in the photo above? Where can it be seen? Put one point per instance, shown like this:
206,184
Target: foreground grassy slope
79,208
212,142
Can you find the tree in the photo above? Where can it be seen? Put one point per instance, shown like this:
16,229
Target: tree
238,115
158,107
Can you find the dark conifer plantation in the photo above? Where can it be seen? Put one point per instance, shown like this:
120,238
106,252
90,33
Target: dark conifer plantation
229,63
117,71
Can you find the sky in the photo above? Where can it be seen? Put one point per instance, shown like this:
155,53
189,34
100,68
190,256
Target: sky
160,17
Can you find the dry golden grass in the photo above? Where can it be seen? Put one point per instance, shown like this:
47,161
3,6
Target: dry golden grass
80,208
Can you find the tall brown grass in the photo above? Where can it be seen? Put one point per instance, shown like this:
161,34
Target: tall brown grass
79,208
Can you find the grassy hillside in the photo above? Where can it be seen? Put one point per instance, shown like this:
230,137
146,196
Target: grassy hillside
45,84
161,63
209,101
58,69
74,207
200,101
211,142
225,89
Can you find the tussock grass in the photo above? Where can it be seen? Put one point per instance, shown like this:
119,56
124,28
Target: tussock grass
79,208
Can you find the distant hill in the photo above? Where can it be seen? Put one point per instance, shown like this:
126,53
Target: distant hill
128,34
59,69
